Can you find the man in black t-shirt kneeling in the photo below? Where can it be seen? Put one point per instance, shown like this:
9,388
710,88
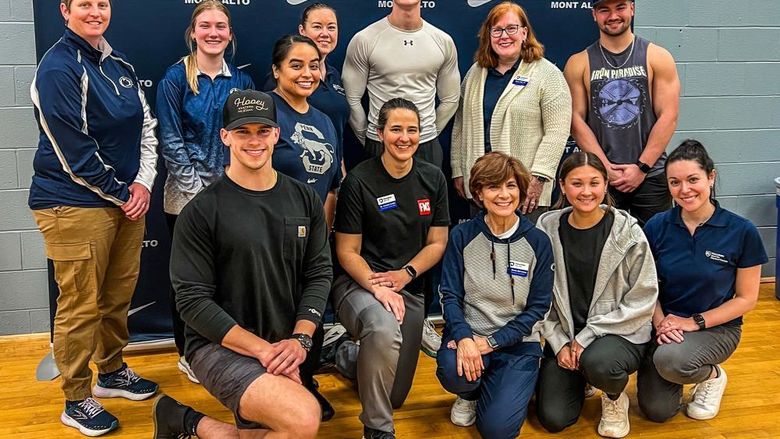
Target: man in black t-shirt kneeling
250,263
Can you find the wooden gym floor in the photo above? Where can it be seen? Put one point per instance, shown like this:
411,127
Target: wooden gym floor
750,408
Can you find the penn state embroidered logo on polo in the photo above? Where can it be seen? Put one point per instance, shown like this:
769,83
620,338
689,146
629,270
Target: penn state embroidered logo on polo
233,89
424,206
386,203
517,268
717,257
126,82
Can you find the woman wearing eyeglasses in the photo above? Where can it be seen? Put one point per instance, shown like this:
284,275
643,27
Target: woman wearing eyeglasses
513,101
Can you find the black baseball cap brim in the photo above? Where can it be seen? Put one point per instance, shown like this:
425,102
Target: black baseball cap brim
247,120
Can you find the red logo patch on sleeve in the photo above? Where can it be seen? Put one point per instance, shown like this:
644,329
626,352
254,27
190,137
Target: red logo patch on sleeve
424,206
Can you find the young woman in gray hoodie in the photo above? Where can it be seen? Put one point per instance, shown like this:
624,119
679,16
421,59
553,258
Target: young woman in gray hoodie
603,297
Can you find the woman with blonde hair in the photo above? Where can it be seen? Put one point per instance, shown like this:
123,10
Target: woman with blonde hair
514,101
189,108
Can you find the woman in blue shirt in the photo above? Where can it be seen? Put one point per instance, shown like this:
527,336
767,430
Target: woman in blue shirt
189,109
709,270
319,22
308,149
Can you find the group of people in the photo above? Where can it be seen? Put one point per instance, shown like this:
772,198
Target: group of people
268,226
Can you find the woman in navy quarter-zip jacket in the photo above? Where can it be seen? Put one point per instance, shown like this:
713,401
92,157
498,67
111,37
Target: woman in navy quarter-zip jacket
190,98
94,171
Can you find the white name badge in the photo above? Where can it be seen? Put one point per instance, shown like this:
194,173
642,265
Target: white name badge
517,268
386,203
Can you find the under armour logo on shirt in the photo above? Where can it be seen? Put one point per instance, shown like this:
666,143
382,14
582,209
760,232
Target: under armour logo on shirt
408,42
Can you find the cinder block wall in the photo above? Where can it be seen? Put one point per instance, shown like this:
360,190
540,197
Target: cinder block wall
23,297
728,57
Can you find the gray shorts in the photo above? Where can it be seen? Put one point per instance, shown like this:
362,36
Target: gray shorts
226,375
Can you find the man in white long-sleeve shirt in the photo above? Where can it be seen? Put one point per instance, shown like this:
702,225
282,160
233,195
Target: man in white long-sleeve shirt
402,55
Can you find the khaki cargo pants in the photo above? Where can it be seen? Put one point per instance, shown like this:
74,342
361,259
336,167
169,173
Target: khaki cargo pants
96,254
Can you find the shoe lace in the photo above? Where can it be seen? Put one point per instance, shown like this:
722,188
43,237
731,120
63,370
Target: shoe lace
701,391
183,436
91,407
128,377
610,410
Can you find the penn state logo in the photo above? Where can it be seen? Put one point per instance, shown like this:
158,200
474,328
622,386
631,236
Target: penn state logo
317,155
234,89
126,82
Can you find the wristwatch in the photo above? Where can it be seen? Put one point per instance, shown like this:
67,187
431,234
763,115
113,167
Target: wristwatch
699,319
411,271
644,167
492,342
304,340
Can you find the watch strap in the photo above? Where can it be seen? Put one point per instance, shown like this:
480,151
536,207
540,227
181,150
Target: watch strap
305,341
699,319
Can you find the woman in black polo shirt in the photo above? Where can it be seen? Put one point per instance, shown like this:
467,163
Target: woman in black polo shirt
391,226
709,270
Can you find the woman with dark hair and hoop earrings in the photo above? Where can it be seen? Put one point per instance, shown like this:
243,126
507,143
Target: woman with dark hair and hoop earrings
709,270
514,101
320,23
189,109
93,173
490,351
308,150
605,290
391,227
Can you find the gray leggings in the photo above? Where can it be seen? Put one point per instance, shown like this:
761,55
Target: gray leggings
667,367
388,352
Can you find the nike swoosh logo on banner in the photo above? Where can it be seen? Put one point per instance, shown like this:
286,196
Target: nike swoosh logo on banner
135,310
475,3
296,2
243,66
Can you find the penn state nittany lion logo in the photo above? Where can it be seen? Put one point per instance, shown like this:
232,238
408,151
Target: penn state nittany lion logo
317,155
619,102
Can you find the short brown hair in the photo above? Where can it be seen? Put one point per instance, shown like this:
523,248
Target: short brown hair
532,49
495,168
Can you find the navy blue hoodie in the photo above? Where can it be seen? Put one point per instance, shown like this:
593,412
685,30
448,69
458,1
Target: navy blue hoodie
494,286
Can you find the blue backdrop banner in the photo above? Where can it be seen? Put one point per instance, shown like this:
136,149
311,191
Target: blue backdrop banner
151,34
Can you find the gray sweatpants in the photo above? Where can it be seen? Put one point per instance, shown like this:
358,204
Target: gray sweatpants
667,367
388,350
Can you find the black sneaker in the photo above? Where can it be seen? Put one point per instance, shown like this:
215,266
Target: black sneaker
169,416
124,383
370,433
89,417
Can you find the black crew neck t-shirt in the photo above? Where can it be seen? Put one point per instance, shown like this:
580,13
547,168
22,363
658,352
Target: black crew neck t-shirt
582,254
393,215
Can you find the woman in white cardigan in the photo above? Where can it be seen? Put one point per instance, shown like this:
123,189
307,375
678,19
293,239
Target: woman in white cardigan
513,101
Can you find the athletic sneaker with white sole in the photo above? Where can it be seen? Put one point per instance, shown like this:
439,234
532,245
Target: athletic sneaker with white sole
431,340
705,400
184,367
89,417
614,416
589,391
124,383
463,412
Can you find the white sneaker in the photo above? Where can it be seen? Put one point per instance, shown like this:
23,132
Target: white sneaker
431,340
705,400
464,412
333,333
184,367
589,391
614,416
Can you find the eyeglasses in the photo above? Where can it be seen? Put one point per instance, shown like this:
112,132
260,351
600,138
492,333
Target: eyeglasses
512,29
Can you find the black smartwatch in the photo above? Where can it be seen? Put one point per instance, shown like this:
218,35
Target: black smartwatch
304,340
699,319
644,167
411,272
492,342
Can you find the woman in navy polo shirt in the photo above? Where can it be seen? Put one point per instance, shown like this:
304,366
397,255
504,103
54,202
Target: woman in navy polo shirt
189,107
709,268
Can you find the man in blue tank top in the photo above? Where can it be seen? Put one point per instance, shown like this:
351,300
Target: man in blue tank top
625,96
